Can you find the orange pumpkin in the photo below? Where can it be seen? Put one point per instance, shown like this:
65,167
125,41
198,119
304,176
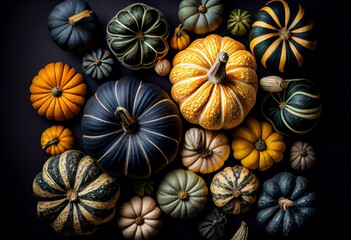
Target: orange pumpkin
214,81
180,39
58,92
57,139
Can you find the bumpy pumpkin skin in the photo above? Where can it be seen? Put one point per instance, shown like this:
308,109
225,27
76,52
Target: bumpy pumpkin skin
201,16
282,44
137,36
58,92
234,189
74,195
139,218
257,145
285,204
182,194
57,139
214,81
73,26
204,151
132,128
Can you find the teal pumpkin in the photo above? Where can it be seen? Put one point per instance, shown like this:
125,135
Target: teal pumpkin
132,128
73,26
286,204
74,195
98,63
137,36
282,36
294,110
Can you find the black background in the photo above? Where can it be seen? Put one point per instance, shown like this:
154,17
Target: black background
26,47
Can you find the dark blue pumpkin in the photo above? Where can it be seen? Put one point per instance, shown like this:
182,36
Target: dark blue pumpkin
73,26
132,128
286,204
296,109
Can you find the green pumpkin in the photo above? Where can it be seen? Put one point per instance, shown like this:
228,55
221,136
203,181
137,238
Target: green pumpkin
98,63
294,110
282,36
212,225
73,26
74,195
239,22
286,204
201,16
182,194
137,36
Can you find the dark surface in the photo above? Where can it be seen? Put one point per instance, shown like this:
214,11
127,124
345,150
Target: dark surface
26,47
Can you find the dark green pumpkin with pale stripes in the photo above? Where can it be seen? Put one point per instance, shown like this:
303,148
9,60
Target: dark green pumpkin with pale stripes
74,195
234,189
282,36
296,109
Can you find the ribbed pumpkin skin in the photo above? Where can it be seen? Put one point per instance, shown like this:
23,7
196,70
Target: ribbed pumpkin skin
57,139
285,204
98,63
58,92
182,194
282,36
137,36
77,37
74,195
234,189
296,109
153,144
214,99
212,226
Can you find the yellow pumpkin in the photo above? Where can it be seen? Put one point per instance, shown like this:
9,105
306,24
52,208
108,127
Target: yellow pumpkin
57,139
58,91
257,145
180,39
204,151
214,82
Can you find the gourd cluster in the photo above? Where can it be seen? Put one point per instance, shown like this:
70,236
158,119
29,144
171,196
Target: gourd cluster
133,130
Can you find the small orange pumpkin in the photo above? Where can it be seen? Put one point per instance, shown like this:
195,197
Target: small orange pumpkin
58,92
57,139
180,39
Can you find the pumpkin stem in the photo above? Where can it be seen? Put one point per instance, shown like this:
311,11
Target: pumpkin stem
281,105
139,220
179,30
284,33
129,123
206,153
236,193
79,16
183,195
72,195
217,73
140,36
285,203
97,62
303,152
202,8
56,91
51,142
260,145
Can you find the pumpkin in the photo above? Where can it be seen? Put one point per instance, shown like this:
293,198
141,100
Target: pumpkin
296,109
142,188
257,145
74,196
234,189
73,26
182,194
132,128
201,16
302,155
180,39
286,204
137,36
282,36
212,225
204,151
57,139
58,92
214,82
98,63
139,218
239,22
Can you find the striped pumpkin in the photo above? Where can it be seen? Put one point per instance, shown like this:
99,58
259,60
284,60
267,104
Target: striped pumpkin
282,36
296,109
131,128
234,189
74,195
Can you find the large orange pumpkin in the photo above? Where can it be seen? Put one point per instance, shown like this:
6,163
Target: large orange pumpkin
214,81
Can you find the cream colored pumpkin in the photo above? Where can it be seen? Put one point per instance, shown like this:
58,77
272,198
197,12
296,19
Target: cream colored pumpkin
302,155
